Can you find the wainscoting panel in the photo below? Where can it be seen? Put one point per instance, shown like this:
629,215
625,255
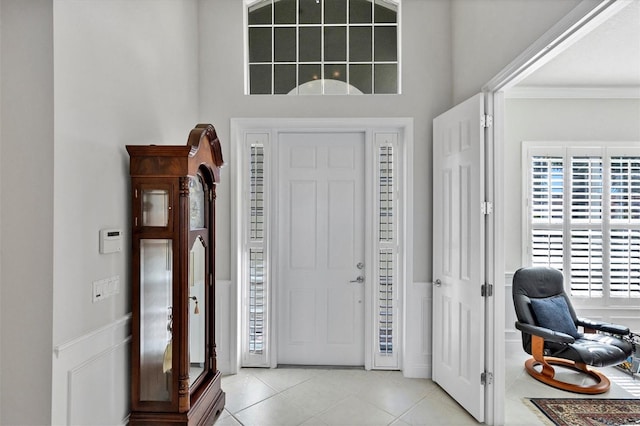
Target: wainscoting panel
98,390
511,334
91,373
91,377
223,326
418,321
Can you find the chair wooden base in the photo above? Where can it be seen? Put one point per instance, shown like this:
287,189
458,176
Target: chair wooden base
546,375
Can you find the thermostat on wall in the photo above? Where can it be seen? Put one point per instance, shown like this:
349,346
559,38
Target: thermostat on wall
110,240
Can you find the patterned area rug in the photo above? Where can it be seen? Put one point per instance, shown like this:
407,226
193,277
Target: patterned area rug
589,412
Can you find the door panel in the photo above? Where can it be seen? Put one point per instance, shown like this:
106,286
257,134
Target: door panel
458,259
321,240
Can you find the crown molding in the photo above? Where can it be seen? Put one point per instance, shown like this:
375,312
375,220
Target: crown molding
553,92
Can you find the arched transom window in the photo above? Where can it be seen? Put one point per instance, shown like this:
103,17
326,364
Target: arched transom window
322,47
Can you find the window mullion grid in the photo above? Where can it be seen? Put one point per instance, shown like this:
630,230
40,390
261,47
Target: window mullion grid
348,47
322,63
373,49
273,47
348,25
297,47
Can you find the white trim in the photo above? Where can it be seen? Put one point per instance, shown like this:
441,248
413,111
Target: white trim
540,92
402,126
575,25
582,19
97,334
224,334
494,259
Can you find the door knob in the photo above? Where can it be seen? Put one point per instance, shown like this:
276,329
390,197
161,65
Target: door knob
360,279
360,265
437,282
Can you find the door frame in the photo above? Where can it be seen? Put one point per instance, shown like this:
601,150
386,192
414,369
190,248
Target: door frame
576,24
270,128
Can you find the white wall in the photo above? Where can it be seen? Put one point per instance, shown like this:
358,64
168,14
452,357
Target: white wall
26,227
126,72
489,34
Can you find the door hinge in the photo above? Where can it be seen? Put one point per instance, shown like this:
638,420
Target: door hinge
487,207
486,121
486,290
486,378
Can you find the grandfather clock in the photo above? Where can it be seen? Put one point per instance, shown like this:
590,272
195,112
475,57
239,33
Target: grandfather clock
174,376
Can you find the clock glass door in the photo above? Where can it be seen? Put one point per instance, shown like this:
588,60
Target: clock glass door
156,319
197,279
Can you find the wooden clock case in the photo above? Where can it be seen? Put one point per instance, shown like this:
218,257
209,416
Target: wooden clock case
174,375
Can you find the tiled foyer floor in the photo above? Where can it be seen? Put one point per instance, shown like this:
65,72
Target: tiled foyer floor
323,396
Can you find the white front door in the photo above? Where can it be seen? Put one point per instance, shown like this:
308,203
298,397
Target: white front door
320,244
458,254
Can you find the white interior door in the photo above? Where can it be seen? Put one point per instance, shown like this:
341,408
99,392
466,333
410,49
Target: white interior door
458,254
320,243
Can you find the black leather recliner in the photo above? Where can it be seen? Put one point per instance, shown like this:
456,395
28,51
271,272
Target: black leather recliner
550,334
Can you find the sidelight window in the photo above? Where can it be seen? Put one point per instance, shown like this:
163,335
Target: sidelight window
255,321
386,279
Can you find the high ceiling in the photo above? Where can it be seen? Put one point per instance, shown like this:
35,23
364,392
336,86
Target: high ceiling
607,57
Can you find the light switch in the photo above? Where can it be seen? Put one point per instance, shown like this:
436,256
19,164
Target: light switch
105,288
98,290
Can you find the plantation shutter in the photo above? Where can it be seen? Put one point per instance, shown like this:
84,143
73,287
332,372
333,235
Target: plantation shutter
385,355
586,189
255,291
547,205
624,207
584,217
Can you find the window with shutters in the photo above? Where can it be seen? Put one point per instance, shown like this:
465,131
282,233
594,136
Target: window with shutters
386,242
255,290
322,47
583,217
387,271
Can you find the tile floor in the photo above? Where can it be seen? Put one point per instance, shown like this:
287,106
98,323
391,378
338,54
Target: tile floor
325,396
